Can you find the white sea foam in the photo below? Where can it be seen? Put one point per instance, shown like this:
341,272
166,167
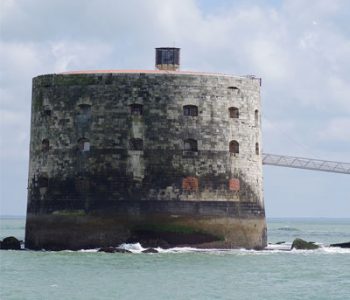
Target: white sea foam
270,249
283,246
134,248
186,250
89,250
336,250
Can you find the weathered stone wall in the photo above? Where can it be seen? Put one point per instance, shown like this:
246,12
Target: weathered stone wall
113,137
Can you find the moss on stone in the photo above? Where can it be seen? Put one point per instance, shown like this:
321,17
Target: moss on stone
81,80
73,213
166,228
301,244
175,228
38,103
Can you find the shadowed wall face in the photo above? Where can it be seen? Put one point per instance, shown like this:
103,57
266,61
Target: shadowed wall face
111,137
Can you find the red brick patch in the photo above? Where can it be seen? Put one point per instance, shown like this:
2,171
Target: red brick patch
234,184
190,184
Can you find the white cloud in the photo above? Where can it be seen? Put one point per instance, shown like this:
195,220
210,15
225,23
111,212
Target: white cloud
337,129
301,49
14,135
10,118
69,55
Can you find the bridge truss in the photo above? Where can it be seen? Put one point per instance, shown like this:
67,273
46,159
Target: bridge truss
306,163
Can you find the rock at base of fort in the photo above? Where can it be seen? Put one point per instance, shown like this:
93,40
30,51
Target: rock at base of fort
10,243
153,224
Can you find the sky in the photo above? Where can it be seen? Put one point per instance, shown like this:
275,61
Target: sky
300,49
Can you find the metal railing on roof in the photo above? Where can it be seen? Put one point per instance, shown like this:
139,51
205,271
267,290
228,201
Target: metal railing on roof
306,163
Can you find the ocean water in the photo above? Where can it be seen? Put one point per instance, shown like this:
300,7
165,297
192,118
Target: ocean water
186,273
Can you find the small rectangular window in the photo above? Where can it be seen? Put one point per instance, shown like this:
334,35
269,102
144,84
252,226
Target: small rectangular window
86,146
136,144
190,145
136,109
190,110
234,147
233,112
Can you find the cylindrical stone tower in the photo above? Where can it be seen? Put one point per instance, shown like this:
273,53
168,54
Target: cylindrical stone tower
161,157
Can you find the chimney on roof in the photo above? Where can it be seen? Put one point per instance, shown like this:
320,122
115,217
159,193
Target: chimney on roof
168,58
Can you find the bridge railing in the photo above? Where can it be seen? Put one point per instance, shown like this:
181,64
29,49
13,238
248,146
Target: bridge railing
306,163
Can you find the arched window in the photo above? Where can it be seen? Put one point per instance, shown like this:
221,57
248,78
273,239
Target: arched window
233,112
234,147
43,181
47,111
257,150
190,145
85,108
256,117
136,144
84,115
136,109
84,144
190,110
45,145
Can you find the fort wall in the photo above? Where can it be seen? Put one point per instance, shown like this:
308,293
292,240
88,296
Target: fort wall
112,152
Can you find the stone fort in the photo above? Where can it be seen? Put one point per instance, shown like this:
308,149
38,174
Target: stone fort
164,157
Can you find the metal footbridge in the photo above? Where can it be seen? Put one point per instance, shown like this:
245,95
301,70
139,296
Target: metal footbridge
306,163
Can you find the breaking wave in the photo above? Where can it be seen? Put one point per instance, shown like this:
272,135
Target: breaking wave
270,249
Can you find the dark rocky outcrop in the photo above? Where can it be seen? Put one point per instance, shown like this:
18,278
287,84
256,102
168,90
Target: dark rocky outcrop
172,237
150,250
341,245
118,250
107,249
113,250
10,243
304,245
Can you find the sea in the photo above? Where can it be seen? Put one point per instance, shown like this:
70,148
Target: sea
186,273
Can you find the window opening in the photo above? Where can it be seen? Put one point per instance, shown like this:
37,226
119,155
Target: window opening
45,145
136,144
190,110
43,181
47,111
257,151
234,147
190,145
233,112
85,108
136,109
256,116
84,144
